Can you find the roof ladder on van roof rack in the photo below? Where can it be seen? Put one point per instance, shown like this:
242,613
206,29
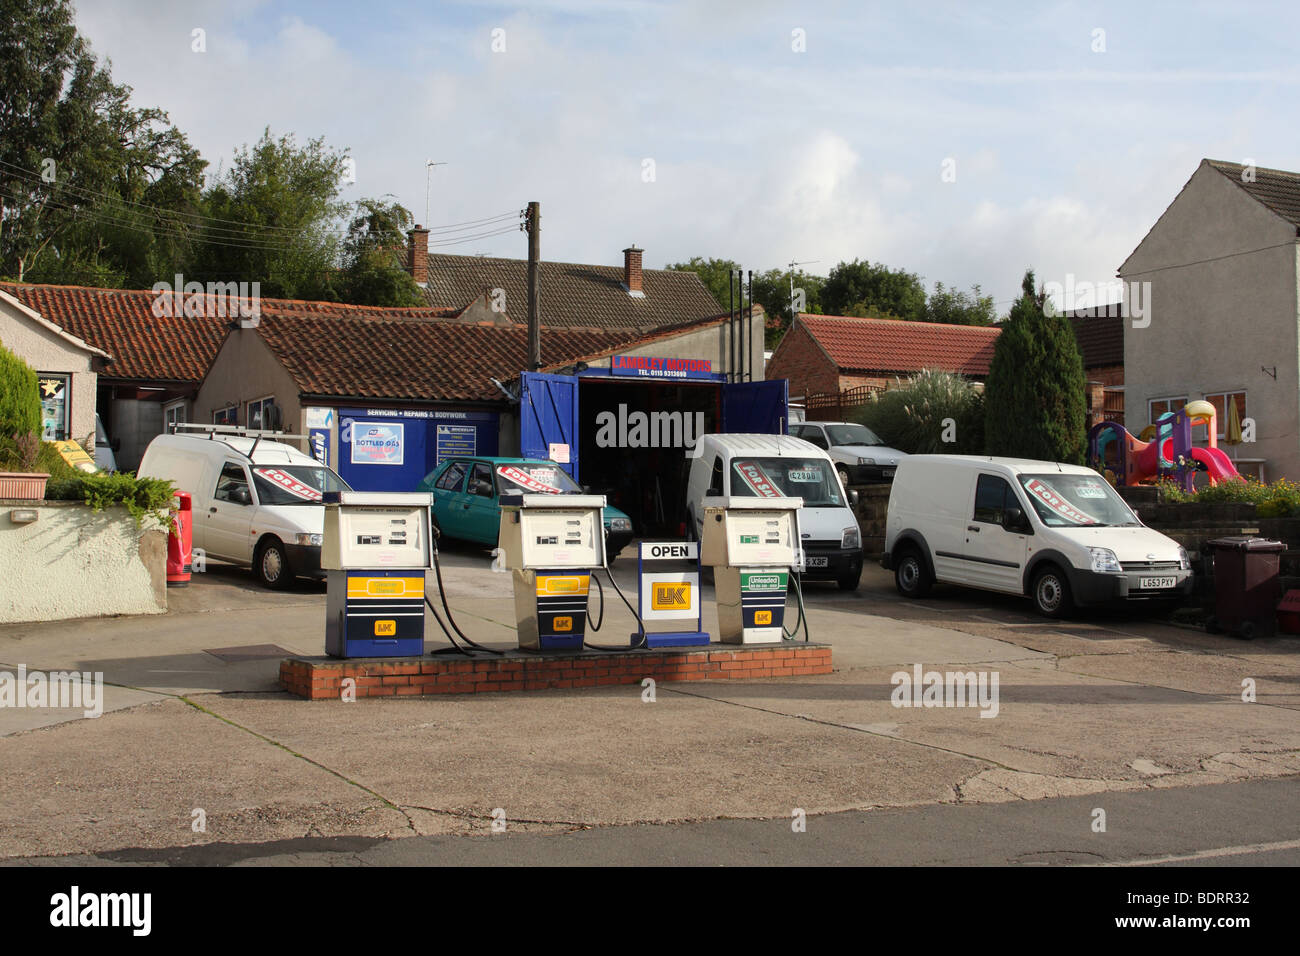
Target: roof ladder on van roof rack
235,431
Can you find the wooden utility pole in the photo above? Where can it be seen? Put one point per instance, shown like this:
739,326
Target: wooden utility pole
534,224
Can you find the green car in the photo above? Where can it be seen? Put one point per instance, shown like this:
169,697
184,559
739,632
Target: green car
467,496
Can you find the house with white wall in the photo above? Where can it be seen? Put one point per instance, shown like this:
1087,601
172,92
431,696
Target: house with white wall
1219,273
66,370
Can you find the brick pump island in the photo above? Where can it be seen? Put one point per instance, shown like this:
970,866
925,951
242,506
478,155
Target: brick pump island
377,547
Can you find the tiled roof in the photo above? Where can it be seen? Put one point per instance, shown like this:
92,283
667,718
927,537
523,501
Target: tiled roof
396,360
149,348
1100,338
1277,189
649,338
573,296
890,345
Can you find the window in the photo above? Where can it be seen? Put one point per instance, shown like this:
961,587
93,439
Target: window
295,484
852,435
535,478
1161,406
256,415
232,484
813,433
452,477
812,479
715,479
226,416
992,497
1065,500
1220,402
53,390
173,415
482,472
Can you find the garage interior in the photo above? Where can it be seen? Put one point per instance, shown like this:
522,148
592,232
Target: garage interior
647,483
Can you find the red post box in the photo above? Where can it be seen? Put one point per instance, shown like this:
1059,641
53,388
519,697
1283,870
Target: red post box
180,542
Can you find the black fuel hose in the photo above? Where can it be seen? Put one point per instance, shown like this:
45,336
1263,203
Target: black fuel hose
442,594
640,624
455,648
803,618
596,626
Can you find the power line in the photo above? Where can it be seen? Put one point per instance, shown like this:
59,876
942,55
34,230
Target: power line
33,176
175,231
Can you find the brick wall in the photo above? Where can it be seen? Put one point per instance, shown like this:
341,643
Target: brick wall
1109,376
853,381
322,678
801,360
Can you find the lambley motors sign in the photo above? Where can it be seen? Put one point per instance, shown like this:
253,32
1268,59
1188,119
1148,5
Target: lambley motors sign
658,366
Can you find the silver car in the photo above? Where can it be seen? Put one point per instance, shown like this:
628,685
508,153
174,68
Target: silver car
859,454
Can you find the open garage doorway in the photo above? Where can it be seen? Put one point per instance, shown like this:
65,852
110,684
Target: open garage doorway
632,445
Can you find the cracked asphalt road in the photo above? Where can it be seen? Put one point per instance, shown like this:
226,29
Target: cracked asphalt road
1108,710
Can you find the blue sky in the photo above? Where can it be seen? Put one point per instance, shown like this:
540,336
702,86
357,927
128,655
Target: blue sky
1064,155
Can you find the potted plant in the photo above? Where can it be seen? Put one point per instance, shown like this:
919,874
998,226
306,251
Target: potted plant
25,483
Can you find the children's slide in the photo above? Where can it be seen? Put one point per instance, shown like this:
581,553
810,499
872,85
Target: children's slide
1217,465
1133,461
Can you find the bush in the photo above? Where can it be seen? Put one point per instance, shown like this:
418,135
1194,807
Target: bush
20,403
1280,499
142,497
931,406
46,458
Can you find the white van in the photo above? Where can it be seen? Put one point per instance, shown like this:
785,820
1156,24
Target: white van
775,466
1058,533
257,502
105,459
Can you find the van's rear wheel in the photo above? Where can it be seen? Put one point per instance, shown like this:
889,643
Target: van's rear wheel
911,576
1052,592
272,565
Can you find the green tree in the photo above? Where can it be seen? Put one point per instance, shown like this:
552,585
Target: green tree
372,272
860,288
715,274
93,189
274,218
20,403
772,291
1034,396
954,307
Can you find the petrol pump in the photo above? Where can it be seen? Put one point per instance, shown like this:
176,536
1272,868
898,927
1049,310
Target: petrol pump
375,550
752,543
551,544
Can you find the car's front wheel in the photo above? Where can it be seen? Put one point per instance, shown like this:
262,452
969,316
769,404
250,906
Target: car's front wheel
1052,592
271,565
911,576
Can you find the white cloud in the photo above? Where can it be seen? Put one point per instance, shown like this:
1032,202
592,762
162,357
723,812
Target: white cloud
761,155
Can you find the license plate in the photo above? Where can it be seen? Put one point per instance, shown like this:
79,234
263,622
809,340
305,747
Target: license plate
817,562
1152,583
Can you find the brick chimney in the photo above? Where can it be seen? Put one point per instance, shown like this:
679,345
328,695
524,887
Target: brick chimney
417,255
632,270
